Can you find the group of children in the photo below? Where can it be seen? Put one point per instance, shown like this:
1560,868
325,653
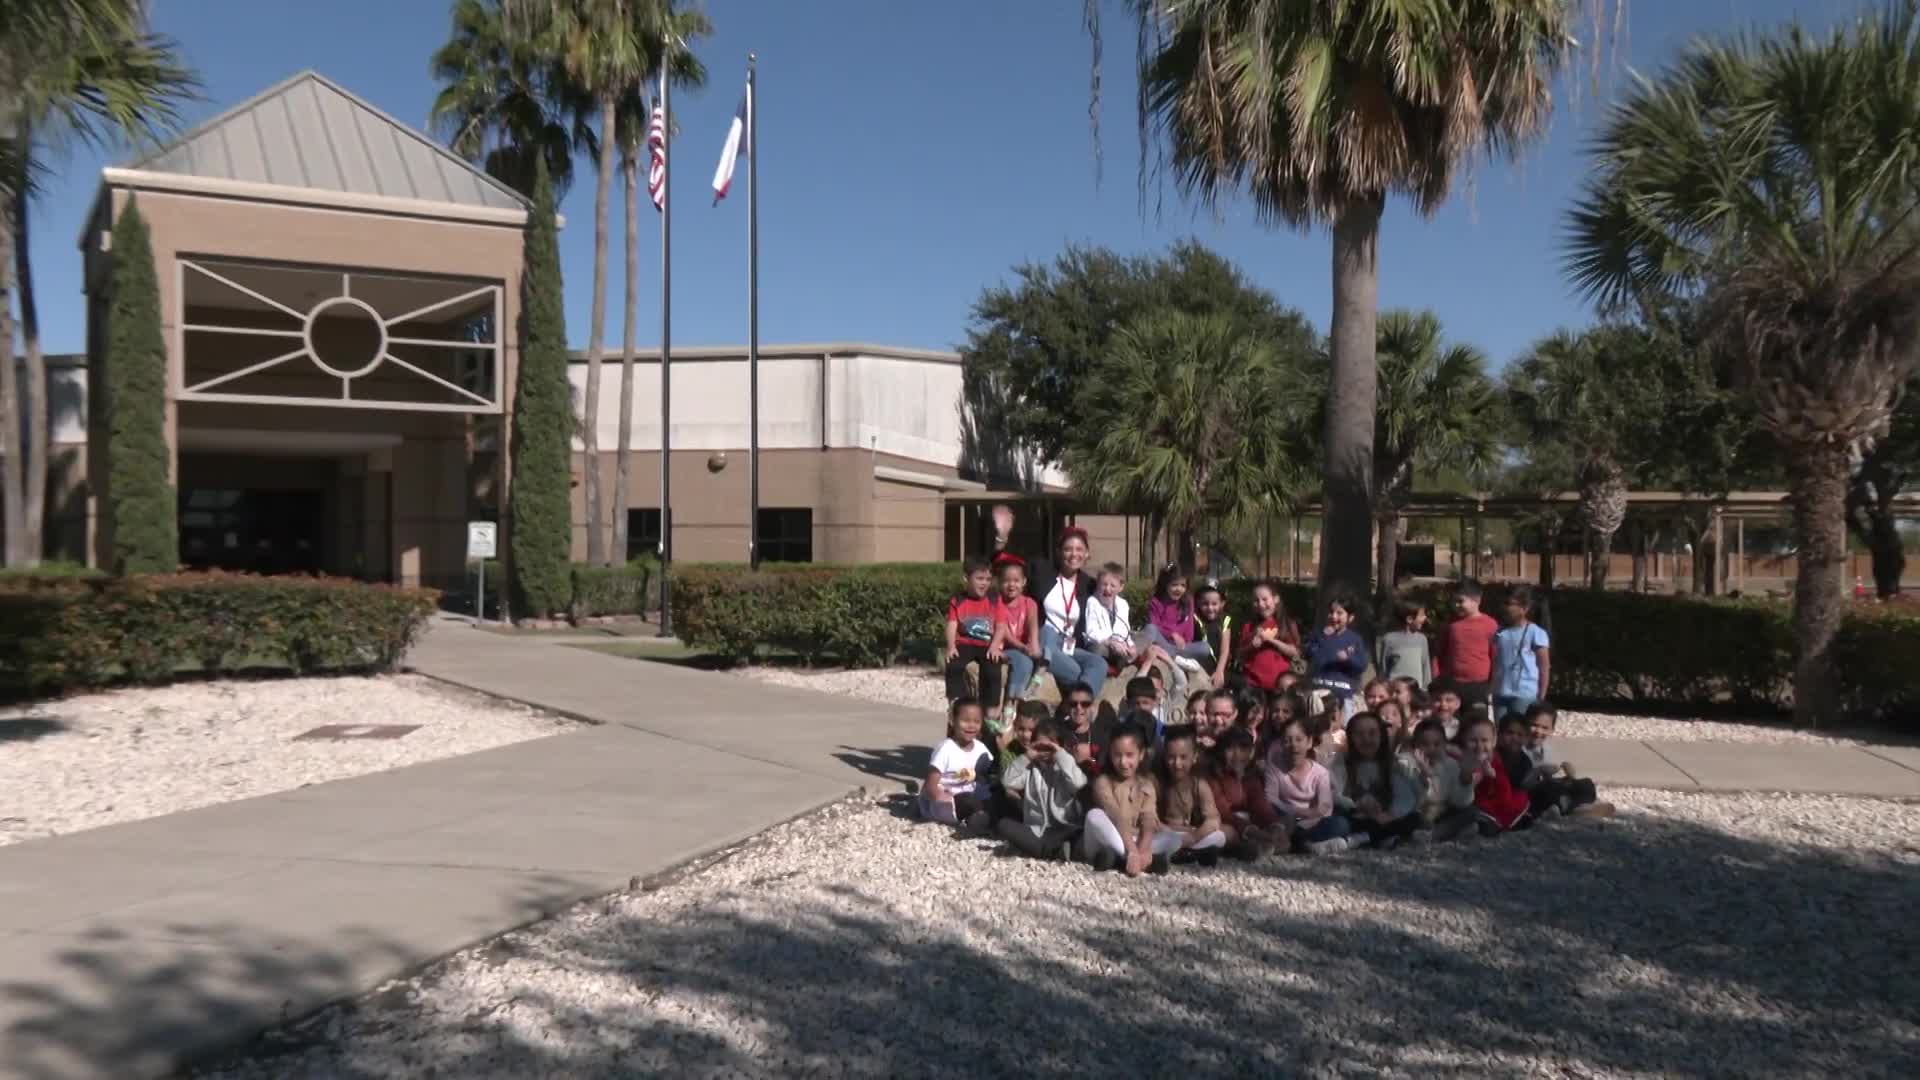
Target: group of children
1291,751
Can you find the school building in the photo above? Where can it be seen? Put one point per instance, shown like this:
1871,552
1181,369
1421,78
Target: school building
338,294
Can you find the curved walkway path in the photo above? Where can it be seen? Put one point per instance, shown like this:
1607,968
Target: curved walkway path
124,950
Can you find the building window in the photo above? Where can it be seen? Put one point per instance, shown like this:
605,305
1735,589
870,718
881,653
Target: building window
643,533
786,535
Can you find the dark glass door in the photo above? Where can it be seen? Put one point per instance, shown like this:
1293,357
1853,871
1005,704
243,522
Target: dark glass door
252,530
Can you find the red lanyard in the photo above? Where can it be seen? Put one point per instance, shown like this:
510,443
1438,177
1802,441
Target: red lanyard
1069,586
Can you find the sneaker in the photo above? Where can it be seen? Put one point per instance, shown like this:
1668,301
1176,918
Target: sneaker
1103,861
978,821
1328,847
1065,851
1033,688
1594,810
1159,865
1208,856
1188,664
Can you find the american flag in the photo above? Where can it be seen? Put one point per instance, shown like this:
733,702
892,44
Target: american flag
657,158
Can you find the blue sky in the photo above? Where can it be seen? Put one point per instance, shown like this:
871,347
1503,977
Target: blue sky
911,154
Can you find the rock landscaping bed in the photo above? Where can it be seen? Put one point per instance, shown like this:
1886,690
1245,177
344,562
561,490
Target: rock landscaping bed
1692,935
919,688
97,759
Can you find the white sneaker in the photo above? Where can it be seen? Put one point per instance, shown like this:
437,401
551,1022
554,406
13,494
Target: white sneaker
1328,847
1188,664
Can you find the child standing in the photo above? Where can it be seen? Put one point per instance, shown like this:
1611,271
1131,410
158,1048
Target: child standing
961,772
1269,643
1403,653
1521,664
1301,790
1123,828
1045,782
1339,657
1378,797
1501,806
1239,795
1186,805
1466,649
1571,794
1016,632
1446,794
969,635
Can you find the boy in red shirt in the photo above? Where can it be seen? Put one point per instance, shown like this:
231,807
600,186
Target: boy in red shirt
969,635
1466,648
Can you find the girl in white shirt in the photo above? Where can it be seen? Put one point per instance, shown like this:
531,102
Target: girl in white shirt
960,776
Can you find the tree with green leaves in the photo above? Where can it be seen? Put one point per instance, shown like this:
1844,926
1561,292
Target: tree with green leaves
505,106
79,71
1435,411
540,501
142,513
1321,112
1033,345
1772,178
1184,425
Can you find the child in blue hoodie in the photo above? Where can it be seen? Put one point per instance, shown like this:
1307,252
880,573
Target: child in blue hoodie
1339,657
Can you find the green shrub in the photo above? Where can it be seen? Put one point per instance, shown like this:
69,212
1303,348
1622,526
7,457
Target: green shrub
539,503
72,633
614,590
139,501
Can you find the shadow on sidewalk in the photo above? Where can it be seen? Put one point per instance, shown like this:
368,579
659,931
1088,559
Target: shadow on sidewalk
905,765
1656,947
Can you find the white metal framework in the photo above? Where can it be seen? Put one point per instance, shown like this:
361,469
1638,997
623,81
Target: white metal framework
467,335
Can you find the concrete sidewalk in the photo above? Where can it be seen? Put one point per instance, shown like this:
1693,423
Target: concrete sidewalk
123,949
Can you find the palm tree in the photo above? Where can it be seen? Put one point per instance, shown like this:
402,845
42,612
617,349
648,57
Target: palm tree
1436,410
1773,178
633,116
1195,401
1321,111
505,107
74,71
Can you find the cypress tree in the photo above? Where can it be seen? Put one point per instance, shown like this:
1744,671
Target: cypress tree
539,505
141,506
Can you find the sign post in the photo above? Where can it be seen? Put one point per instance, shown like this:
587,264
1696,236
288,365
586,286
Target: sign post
482,544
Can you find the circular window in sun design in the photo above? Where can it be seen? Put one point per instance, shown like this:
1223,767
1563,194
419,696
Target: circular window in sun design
345,336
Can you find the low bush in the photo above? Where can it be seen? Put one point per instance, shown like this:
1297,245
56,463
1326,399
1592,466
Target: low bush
72,633
1643,650
614,590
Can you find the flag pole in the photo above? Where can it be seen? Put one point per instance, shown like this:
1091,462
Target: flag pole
753,323
666,348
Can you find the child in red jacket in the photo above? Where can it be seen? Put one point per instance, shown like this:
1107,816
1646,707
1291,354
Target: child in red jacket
1502,806
1240,797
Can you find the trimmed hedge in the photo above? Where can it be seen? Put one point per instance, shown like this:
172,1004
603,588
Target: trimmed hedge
1666,652
614,590
73,633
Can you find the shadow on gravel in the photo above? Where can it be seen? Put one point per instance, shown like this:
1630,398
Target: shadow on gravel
115,1001
29,728
1645,947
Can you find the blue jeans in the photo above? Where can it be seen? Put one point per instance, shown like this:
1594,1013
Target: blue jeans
1019,674
1331,827
1192,650
1080,666
1505,705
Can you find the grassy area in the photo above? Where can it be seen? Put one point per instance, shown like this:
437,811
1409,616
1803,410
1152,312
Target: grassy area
616,631
675,653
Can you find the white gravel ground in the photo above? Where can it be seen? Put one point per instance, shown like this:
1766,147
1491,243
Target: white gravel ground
97,759
918,688
1692,936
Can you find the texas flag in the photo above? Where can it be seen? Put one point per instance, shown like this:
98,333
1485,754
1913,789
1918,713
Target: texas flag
739,142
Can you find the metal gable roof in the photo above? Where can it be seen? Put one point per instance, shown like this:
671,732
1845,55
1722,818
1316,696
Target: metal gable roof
309,132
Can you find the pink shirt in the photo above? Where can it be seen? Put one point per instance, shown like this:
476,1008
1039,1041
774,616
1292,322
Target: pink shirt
1307,800
1172,618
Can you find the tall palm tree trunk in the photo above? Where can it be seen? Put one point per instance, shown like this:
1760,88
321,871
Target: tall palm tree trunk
1817,489
1347,535
13,518
33,534
596,341
623,455
1387,560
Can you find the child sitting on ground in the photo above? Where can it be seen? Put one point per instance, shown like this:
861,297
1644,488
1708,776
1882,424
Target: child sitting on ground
1025,719
1016,632
1173,627
1398,725
1219,717
961,773
1123,828
1444,703
1045,783
1141,707
1378,797
1404,653
1446,794
1502,807
1411,696
1554,780
1083,730
1339,658
969,635
1301,790
1186,801
1239,795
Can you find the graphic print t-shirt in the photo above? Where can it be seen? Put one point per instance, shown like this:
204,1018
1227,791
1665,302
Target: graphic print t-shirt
974,614
960,770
